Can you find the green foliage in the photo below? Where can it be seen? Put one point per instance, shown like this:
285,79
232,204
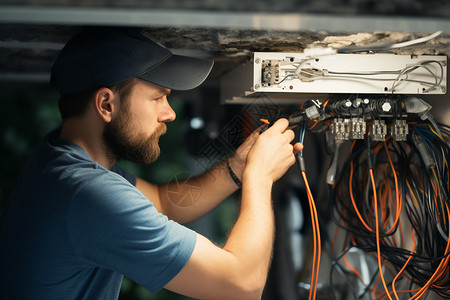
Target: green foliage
25,118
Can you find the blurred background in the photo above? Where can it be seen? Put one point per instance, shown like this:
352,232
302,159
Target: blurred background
206,129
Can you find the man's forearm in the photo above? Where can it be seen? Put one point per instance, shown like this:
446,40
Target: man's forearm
251,239
187,200
239,270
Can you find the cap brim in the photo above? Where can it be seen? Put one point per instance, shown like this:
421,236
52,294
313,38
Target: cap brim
179,72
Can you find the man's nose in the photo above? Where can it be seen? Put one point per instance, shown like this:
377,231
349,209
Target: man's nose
167,114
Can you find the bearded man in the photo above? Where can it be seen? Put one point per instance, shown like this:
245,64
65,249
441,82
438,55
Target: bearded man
76,222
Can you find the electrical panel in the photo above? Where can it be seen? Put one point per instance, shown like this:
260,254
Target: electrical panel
387,169
349,73
290,78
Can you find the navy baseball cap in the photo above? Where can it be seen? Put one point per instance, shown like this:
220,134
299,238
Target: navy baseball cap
102,57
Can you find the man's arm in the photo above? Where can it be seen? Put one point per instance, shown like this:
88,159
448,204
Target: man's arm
239,270
190,199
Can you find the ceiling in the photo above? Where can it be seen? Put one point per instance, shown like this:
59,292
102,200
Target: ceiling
228,31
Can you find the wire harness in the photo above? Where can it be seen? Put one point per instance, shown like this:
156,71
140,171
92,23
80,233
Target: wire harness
389,197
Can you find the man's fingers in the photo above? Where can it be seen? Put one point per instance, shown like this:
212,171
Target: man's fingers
290,133
280,125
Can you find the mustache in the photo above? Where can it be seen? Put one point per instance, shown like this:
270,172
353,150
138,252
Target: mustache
160,130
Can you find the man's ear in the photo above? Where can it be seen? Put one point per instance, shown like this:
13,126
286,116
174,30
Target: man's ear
105,103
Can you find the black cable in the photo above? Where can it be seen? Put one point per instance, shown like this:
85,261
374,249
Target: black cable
423,217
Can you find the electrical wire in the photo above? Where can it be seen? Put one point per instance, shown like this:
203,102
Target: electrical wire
388,45
317,245
402,75
383,190
317,241
325,74
374,222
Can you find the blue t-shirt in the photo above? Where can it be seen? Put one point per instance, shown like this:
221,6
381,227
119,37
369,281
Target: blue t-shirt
72,228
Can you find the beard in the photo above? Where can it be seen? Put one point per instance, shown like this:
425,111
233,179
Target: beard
123,142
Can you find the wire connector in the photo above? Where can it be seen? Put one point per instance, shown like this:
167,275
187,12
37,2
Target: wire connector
358,128
400,130
296,120
424,151
378,130
300,162
341,128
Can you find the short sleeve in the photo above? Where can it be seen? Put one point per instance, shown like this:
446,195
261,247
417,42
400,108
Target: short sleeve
129,177
112,225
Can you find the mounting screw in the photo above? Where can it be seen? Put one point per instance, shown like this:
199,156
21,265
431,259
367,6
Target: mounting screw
257,60
386,107
443,90
257,86
444,63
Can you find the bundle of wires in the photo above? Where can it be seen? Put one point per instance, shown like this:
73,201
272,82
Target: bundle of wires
392,200
317,247
397,77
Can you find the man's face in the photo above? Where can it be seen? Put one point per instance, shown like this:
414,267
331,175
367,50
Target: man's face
135,131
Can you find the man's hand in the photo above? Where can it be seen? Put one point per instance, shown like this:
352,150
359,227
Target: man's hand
239,270
272,153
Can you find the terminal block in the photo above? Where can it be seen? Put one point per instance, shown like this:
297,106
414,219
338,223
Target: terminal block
341,128
270,73
400,130
358,128
379,130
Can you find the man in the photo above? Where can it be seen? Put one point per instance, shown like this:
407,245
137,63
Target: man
76,222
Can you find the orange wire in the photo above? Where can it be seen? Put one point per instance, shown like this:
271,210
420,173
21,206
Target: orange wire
444,262
386,201
435,199
404,266
397,194
290,116
377,147
438,194
375,288
377,234
333,244
265,121
317,241
313,125
353,199
312,291
316,262
354,271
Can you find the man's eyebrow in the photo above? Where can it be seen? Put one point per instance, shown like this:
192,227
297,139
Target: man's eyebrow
162,92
